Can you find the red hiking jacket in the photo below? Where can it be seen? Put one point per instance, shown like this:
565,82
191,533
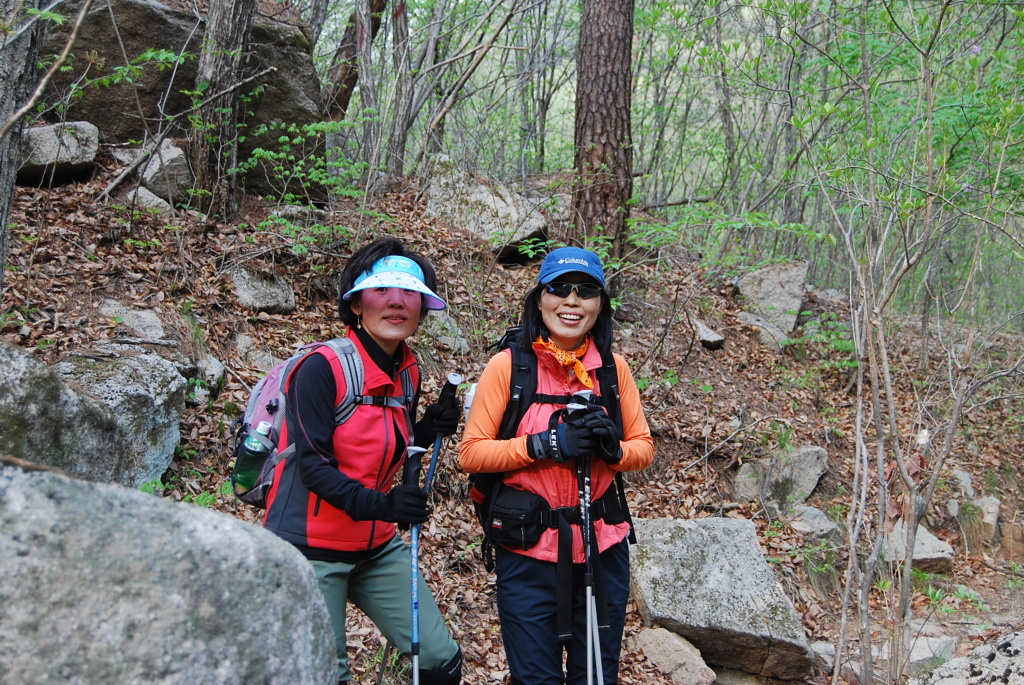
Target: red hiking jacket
305,505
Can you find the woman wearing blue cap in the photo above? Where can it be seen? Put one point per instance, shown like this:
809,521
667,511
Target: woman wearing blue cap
334,498
565,583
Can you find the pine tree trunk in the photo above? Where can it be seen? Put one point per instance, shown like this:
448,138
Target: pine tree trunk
17,77
604,148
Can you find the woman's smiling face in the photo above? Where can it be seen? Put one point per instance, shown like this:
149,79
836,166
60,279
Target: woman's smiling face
389,315
569,319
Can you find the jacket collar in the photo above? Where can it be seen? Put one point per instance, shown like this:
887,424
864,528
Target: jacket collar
384,369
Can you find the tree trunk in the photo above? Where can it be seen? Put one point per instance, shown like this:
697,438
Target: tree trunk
403,93
214,145
316,16
17,77
604,149
368,100
343,75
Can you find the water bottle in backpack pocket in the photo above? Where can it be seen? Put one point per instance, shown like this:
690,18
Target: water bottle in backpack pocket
255,459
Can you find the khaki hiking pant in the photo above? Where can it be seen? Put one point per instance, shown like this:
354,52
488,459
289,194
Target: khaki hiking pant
381,588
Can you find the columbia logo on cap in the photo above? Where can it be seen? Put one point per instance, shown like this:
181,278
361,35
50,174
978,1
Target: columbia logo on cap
572,260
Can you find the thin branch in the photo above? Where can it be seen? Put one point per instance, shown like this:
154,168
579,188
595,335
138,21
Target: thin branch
725,440
49,74
453,93
28,24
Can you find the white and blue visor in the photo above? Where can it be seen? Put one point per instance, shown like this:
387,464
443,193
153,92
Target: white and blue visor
396,272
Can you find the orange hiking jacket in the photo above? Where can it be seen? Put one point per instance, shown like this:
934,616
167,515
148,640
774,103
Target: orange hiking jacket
482,452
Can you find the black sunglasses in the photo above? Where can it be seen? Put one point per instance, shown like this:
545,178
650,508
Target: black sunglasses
585,291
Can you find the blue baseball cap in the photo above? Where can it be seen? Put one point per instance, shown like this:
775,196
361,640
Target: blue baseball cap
567,260
396,272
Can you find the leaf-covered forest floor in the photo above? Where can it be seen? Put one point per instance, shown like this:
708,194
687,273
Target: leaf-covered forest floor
710,410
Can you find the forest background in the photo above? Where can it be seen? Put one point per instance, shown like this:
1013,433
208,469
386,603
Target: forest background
881,142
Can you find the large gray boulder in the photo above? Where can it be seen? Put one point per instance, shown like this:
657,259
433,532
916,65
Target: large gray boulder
263,292
930,553
493,211
141,25
143,322
775,292
102,584
707,580
44,420
58,152
136,109
147,395
785,480
112,416
926,651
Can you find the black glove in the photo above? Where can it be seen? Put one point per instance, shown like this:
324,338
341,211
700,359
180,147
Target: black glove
602,429
437,419
406,504
561,443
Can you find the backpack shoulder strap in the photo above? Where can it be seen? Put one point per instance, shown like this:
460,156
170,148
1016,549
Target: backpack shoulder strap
276,404
522,388
355,376
608,377
409,397
408,388
611,397
352,368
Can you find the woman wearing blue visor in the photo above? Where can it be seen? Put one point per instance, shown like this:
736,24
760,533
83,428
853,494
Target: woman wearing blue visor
334,499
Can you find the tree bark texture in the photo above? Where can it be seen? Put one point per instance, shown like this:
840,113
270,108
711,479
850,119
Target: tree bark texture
403,92
316,17
215,145
343,75
18,75
370,114
604,147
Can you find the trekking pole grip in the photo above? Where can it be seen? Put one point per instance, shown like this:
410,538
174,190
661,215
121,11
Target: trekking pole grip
413,465
446,398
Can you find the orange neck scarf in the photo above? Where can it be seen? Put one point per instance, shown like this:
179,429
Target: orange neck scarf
568,359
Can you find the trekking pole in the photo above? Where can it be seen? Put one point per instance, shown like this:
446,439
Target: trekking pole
384,661
446,398
414,464
411,475
593,633
583,480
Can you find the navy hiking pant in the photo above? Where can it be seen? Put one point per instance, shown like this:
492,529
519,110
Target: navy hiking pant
527,592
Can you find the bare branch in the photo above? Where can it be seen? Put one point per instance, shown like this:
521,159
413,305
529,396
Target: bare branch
49,74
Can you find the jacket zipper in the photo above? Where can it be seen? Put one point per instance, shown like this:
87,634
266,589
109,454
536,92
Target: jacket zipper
380,476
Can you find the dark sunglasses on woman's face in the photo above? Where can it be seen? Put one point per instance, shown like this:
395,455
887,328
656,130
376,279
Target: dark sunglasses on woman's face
585,291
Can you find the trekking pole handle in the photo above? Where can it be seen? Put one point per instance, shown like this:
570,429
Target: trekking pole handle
580,400
413,465
446,398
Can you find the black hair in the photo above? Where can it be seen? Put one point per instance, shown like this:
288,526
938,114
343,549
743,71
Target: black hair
363,259
532,323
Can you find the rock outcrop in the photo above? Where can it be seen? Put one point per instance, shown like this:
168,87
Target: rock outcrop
102,584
